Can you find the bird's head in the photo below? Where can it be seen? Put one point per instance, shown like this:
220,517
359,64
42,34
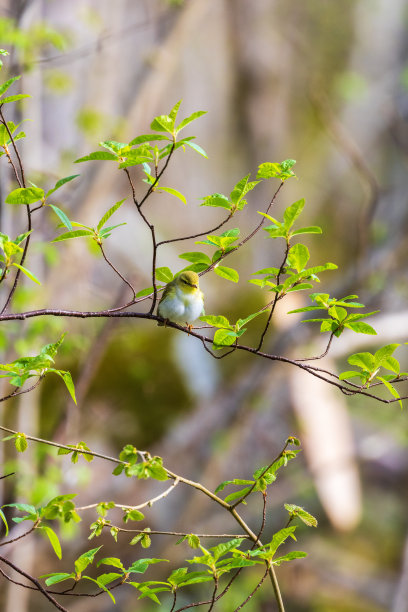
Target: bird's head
187,282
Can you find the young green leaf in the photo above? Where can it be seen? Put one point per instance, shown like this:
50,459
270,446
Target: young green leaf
97,155
164,274
74,234
53,538
62,216
109,213
173,192
228,273
189,119
27,273
216,321
25,195
196,257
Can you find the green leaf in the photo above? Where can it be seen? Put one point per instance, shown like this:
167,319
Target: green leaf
390,388
85,559
144,292
67,378
363,360
196,257
163,123
97,155
52,536
4,87
297,511
173,192
294,554
196,148
350,374
114,561
14,98
56,577
298,257
224,337
27,273
312,229
164,275
74,234
133,515
217,200
60,183
222,549
62,216
241,322
25,195
384,353
228,273
146,138
361,328
189,119
292,212
241,189
269,170
3,518
21,443
105,579
391,364
216,321
109,213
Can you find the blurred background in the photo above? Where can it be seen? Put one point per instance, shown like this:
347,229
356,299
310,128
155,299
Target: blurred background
325,83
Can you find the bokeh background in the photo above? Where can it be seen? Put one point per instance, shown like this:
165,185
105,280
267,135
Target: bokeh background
323,82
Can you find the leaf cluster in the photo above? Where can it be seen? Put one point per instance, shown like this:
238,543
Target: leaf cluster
24,368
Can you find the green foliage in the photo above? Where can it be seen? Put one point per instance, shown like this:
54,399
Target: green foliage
78,450
283,171
370,365
134,465
262,477
98,233
227,333
12,249
24,368
338,318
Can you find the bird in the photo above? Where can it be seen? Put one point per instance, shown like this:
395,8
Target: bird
182,301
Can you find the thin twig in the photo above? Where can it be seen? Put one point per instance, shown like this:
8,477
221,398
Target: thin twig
15,393
118,273
23,535
254,591
150,502
276,298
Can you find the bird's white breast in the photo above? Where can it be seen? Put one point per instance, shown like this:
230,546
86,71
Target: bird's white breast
182,307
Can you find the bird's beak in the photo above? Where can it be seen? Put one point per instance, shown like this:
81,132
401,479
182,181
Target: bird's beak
196,286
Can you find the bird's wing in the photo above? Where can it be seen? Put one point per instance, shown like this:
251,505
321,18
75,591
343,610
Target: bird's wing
167,290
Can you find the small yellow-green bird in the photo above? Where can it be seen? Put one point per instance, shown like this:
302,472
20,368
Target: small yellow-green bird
182,301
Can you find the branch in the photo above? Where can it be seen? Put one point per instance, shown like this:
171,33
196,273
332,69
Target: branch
15,392
118,273
34,581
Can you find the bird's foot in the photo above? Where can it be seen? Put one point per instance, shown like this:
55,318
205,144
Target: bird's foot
189,327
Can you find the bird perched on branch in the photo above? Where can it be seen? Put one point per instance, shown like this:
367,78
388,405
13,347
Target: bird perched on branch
182,301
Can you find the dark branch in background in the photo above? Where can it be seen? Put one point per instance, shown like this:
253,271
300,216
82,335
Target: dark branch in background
21,183
34,581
